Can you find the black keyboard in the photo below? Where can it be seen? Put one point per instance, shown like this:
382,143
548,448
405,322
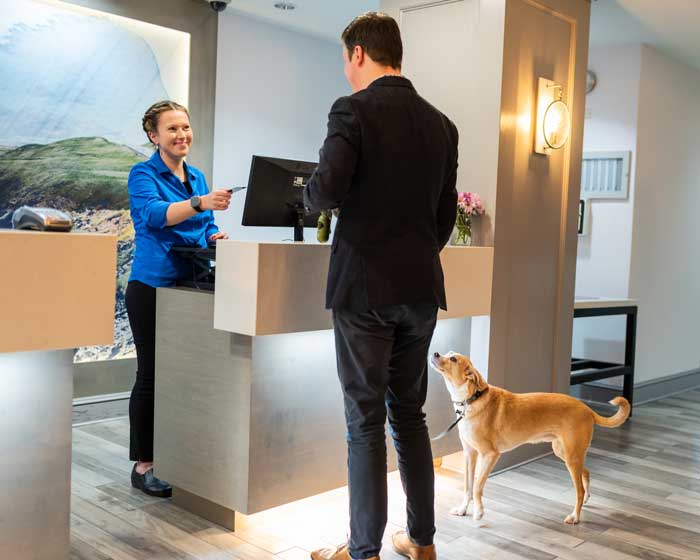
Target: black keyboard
201,267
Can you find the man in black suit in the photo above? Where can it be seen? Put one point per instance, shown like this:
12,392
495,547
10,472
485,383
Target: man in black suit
389,164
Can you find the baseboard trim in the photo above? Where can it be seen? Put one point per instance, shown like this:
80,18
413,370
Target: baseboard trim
520,464
647,391
105,377
100,421
82,401
202,507
512,459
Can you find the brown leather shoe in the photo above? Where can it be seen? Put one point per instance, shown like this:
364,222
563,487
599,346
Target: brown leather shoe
406,547
340,553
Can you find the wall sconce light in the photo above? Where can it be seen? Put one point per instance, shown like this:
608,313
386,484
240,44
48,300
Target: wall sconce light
553,117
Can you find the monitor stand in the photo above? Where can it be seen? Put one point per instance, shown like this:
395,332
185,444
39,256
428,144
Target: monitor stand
300,214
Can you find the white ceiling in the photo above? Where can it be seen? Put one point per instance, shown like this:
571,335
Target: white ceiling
321,18
672,26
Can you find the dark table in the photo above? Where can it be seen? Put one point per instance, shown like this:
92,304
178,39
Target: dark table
584,370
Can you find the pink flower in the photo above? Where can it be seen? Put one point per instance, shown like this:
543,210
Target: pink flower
469,204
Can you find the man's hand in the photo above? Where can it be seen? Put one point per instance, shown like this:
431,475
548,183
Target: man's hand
323,226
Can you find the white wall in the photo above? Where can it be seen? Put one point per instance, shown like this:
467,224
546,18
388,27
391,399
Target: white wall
603,261
453,54
611,125
665,266
274,89
646,247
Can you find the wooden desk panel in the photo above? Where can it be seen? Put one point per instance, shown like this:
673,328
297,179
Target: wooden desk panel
56,290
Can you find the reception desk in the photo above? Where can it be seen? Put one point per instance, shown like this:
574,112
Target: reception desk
248,407
57,293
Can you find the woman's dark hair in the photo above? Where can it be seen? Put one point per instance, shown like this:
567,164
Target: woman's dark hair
379,35
153,113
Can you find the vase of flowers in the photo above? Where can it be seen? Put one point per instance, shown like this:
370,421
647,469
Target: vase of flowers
468,205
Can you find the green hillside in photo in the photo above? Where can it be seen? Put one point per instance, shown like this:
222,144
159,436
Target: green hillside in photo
73,174
88,178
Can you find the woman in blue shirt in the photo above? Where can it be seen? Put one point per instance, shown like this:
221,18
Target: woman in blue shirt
170,205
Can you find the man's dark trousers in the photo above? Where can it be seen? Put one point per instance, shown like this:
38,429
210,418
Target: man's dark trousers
382,365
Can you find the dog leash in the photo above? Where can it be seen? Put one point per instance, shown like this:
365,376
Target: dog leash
459,413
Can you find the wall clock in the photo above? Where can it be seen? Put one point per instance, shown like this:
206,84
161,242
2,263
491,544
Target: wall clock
591,81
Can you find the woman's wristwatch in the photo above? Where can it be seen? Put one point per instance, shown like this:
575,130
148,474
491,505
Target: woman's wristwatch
196,202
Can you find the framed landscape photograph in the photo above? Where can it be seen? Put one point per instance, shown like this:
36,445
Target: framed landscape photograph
76,83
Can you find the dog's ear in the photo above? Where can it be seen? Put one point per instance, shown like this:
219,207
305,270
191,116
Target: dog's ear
475,376
481,384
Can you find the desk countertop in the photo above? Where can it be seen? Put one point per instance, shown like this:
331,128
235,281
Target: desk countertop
588,302
274,288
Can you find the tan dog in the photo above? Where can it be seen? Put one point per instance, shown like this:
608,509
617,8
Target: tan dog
496,420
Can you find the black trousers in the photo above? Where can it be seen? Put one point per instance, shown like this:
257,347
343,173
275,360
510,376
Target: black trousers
382,365
141,308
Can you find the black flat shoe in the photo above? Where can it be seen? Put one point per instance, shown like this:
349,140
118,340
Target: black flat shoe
149,484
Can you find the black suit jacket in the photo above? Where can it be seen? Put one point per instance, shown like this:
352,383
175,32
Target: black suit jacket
389,163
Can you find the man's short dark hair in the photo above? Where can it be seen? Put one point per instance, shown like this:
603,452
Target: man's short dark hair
378,34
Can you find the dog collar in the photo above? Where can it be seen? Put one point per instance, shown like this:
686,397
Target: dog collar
459,413
470,400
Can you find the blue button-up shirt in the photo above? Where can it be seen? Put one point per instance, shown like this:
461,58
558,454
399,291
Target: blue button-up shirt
152,188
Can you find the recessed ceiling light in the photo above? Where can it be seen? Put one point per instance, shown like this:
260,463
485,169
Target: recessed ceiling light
287,6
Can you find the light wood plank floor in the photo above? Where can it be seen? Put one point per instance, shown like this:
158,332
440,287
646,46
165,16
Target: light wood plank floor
645,481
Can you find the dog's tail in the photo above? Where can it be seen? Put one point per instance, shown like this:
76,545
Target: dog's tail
616,419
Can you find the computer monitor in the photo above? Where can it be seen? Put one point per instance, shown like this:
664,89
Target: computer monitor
275,194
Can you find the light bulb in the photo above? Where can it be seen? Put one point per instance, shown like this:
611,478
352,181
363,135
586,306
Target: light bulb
557,124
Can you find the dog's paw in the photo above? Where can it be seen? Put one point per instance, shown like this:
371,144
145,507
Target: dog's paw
571,519
478,514
460,510
586,497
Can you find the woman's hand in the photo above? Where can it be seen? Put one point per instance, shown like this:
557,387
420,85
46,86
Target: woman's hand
219,235
216,200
